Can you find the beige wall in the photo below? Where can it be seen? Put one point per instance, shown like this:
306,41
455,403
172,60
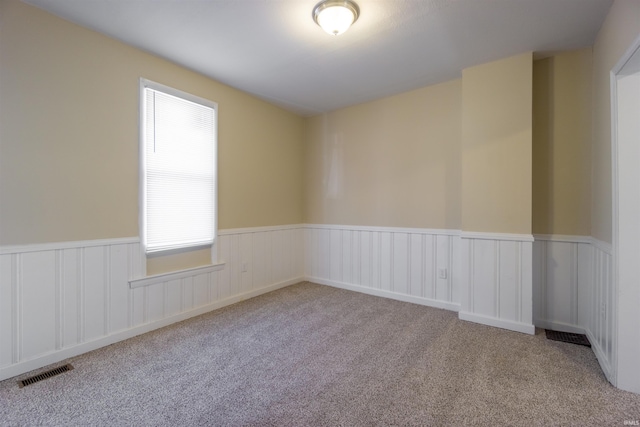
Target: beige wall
562,144
496,146
69,143
618,32
391,162
69,136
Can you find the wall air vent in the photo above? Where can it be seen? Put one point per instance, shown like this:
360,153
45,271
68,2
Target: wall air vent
579,339
45,375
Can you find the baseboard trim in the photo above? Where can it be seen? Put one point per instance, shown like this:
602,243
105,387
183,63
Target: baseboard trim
387,294
602,360
498,323
559,326
58,356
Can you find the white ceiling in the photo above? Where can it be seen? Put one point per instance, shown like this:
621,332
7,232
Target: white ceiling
274,50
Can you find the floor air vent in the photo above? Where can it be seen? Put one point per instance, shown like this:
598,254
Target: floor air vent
45,375
579,339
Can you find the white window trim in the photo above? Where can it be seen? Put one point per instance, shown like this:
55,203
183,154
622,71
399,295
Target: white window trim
145,83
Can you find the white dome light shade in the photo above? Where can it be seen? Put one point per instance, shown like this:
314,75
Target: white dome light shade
335,16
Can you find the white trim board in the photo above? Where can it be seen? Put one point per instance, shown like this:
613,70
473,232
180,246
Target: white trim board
563,238
38,247
230,231
496,236
603,361
387,294
525,328
588,240
174,275
624,81
431,231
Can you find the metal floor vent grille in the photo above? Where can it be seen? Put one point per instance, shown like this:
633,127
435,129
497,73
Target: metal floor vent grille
579,339
45,375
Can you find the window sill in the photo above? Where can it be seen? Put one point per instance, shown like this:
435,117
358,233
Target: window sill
174,275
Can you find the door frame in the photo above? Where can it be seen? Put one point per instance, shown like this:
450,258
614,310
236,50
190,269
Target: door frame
625,231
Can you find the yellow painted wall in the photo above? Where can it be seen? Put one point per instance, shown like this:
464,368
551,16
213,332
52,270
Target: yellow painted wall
69,136
562,144
496,146
453,155
391,162
620,29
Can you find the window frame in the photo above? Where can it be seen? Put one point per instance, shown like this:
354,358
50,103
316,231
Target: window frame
144,84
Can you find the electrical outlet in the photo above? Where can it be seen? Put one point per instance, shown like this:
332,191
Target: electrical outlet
442,273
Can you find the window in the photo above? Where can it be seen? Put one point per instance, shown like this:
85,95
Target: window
178,168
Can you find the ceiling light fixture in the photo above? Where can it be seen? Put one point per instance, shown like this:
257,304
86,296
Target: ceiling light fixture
336,16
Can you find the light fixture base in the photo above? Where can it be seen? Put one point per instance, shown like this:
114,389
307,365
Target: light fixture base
335,16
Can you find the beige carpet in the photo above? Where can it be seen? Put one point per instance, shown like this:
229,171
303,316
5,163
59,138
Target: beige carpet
315,355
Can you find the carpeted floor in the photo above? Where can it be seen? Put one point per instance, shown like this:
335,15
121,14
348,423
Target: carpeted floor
315,355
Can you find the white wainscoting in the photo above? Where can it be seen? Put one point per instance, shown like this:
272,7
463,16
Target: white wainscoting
261,258
562,265
497,280
600,323
414,265
573,291
63,299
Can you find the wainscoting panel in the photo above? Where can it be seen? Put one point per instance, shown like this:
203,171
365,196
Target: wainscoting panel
60,300
497,283
585,284
8,297
573,291
600,326
38,311
260,257
415,265
557,274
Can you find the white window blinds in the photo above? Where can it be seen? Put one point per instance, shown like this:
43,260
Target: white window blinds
179,176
